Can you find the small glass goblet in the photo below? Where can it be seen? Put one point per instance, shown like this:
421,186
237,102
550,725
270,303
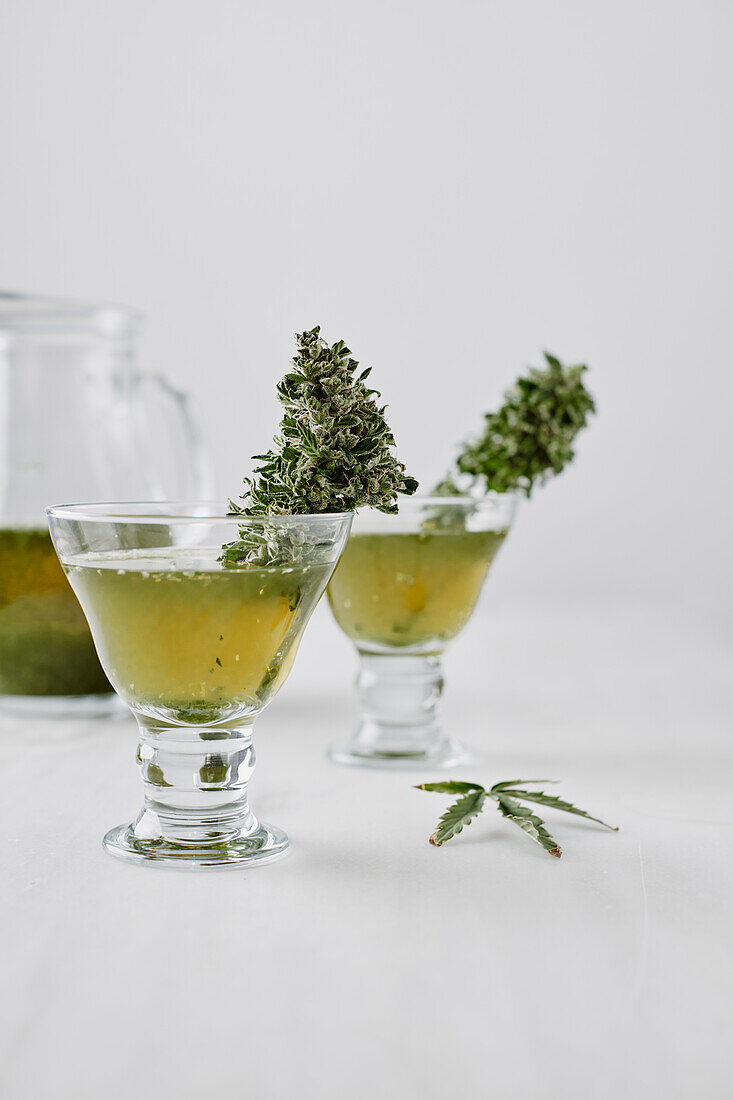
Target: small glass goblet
196,650
406,584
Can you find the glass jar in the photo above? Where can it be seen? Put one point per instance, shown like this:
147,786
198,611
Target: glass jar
78,421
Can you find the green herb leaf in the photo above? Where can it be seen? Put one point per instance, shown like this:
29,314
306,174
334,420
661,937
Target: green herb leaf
518,783
509,796
554,803
449,786
459,814
529,822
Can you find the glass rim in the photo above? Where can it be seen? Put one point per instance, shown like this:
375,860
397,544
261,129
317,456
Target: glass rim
153,511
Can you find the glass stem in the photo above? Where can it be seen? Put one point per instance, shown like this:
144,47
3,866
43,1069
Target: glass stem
399,705
195,781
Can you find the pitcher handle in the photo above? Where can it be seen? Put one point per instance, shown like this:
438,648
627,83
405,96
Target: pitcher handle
180,470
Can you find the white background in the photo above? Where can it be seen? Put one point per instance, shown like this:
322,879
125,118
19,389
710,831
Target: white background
450,188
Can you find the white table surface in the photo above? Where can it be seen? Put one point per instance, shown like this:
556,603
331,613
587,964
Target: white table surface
368,963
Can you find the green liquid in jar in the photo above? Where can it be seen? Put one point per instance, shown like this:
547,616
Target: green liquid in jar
46,647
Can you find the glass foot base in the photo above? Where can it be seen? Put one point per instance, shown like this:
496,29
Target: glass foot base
265,844
445,754
104,705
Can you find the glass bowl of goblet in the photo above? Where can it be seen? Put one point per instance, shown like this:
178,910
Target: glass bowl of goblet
405,586
197,648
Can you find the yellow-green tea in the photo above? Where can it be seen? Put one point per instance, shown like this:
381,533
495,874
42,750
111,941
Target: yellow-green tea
178,632
400,590
45,644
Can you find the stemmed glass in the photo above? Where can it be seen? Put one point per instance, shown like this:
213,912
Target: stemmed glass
405,586
197,650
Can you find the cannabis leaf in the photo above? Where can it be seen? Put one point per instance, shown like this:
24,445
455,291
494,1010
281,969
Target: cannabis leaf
333,454
533,825
508,795
450,786
530,437
459,814
550,800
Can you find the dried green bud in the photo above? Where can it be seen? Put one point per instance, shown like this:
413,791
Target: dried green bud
333,453
531,436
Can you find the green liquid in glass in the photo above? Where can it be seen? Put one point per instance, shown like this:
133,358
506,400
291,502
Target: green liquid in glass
45,644
400,590
179,633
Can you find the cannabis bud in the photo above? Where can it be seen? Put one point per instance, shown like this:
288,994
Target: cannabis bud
333,453
532,434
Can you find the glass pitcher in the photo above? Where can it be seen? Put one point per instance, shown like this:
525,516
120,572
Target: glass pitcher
78,421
